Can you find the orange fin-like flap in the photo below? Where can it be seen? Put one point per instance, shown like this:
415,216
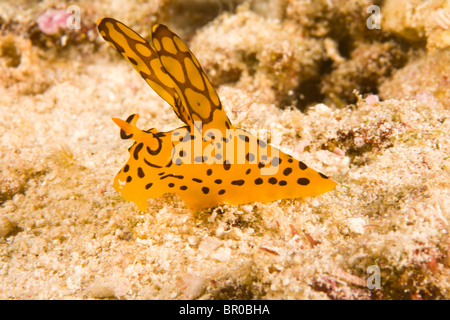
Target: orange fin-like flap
128,127
125,126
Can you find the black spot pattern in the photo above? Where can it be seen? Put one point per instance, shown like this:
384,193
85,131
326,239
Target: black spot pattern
123,134
171,176
169,164
261,143
244,138
259,181
273,180
158,149
303,181
137,150
151,164
198,159
302,166
275,161
132,61
250,157
287,171
205,190
238,182
323,176
140,172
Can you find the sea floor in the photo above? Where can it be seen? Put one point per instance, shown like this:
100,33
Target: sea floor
367,107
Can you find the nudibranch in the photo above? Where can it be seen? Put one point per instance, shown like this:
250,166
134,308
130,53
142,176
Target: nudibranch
208,161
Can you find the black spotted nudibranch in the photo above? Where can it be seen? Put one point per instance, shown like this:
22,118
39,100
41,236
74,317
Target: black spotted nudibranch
208,161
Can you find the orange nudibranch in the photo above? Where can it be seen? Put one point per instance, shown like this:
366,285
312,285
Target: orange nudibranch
208,161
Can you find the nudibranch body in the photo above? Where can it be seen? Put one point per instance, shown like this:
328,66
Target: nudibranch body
208,161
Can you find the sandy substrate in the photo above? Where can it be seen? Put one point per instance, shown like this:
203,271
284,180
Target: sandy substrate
65,233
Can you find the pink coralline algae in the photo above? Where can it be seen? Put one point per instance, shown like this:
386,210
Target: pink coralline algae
51,21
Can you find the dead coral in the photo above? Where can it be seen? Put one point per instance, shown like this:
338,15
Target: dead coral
405,18
342,20
10,53
427,78
56,29
409,192
188,16
336,291
374,137
437,28
232,290
274,9
369,65
268,57
418,21
20,66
